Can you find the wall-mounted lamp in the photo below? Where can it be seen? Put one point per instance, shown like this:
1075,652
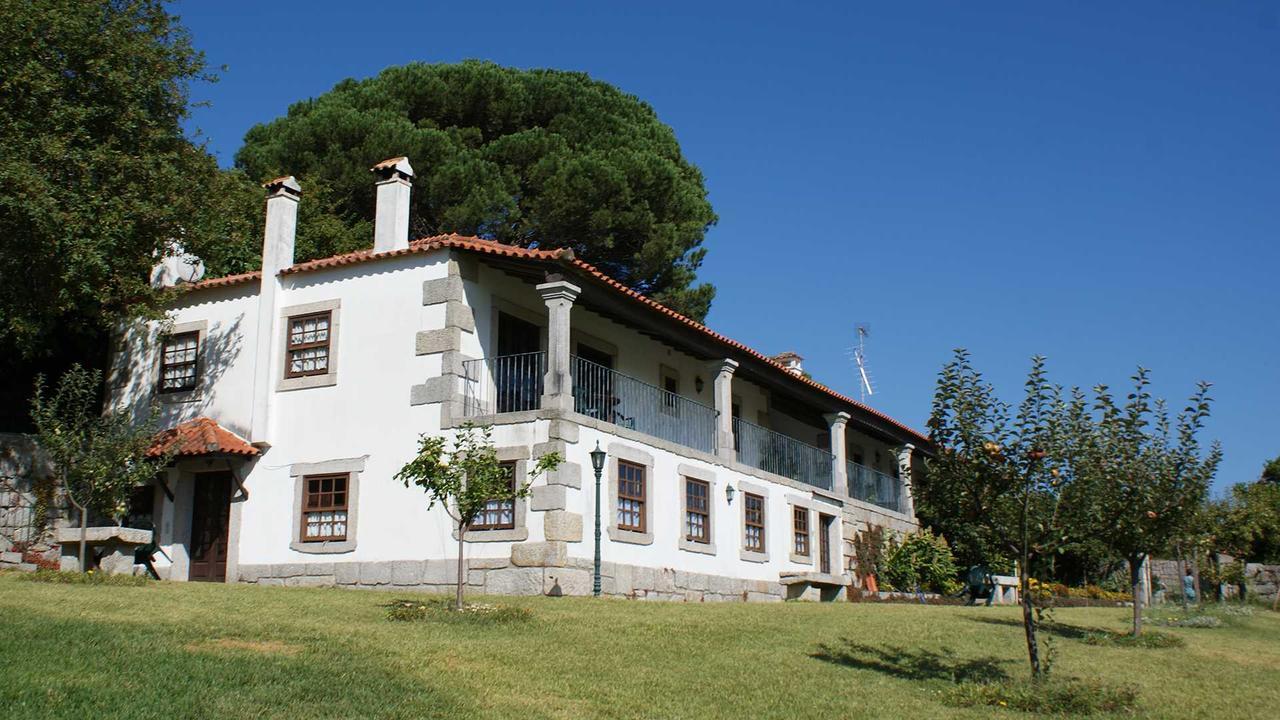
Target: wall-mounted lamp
728,493
698,384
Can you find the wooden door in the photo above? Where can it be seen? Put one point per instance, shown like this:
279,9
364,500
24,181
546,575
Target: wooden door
824,543
210,517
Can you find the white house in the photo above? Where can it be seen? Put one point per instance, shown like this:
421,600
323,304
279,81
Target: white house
296,393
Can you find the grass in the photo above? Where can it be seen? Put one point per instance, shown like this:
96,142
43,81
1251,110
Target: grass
177,650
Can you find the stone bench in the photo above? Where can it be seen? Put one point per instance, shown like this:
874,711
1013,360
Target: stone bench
114,546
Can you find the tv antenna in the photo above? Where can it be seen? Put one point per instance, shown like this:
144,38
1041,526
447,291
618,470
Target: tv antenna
860,357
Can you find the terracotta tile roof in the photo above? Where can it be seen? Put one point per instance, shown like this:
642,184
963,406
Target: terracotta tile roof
226,281
388,163
201,436
566,257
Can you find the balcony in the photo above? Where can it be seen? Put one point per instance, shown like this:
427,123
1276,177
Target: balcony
782,455
608,395
515,383
873,486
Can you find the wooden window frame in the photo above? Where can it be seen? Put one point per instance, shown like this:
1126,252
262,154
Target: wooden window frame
510,466
748,523
307,508
640,500
802,538
194,363
704,512
291,347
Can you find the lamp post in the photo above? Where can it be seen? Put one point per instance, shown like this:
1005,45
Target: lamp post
597,463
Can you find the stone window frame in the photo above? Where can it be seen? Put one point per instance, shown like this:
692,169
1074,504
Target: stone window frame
708,477
743,553
352,468
201,328
635,456
329,378
519,455
817,508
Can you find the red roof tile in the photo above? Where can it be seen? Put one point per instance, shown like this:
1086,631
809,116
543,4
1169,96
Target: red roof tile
201,436
566,257
226,281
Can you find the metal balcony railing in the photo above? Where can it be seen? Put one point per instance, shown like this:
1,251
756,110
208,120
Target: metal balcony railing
782,455
608,395
873,486
508,383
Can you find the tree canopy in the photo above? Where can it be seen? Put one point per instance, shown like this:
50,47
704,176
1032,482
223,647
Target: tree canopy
535,158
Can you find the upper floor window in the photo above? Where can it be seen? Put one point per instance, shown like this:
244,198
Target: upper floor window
499,513
324,508
308,345
753,521
697,513
801,527
179,369
631,497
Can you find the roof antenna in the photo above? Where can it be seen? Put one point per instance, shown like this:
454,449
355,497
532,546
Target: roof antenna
860,357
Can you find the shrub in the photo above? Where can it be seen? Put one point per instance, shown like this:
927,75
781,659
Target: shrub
1047,590
921,560
1148,640
92,577
1048,697
442,610
1194,620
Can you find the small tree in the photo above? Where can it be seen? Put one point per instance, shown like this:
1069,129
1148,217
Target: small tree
1000,473
465,477
98,458
1146,478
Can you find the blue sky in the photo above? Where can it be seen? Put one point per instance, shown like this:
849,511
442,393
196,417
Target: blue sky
1095,182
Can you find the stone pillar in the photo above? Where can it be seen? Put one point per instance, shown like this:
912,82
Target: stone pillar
905,504
839,468
723,394
557,389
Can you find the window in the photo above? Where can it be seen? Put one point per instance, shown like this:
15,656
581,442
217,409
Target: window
697,512
324,508
178,365
800,524
500,513
630,497
308,345
753,507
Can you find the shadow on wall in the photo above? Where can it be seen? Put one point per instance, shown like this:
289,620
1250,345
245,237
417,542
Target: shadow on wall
134,373
912,663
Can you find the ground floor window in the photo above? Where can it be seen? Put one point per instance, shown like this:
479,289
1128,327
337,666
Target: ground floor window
697,515
753,531
499,513
324,508
631,497
801,527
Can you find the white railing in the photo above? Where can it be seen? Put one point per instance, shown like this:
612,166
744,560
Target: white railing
873,486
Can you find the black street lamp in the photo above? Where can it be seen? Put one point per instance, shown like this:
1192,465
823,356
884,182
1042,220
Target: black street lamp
597,462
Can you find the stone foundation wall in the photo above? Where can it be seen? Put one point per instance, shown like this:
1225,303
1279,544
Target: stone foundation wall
497,576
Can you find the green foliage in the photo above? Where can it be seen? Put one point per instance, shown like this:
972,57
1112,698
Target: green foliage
96,175
1271,471
465,475
1246,523
542,158
86,578
921,560
441,609
98,457
1047,697
1176,618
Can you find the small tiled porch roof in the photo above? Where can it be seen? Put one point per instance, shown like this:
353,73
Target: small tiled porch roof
201,436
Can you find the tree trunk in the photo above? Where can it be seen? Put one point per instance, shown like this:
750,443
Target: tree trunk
1029,625
461,572
1135,585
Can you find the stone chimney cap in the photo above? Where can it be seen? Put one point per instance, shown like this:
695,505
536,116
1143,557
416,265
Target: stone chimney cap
286,182
788,355
390,166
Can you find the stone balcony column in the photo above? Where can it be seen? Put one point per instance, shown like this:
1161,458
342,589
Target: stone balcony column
906,505
723,394
557,388
839,468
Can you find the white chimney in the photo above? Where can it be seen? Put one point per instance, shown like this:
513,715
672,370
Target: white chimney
791,361
283,194
391,215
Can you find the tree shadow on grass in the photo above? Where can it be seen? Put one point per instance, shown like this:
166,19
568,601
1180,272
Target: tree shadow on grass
912,663
1057,629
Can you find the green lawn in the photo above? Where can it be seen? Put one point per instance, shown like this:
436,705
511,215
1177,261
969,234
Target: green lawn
193,650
